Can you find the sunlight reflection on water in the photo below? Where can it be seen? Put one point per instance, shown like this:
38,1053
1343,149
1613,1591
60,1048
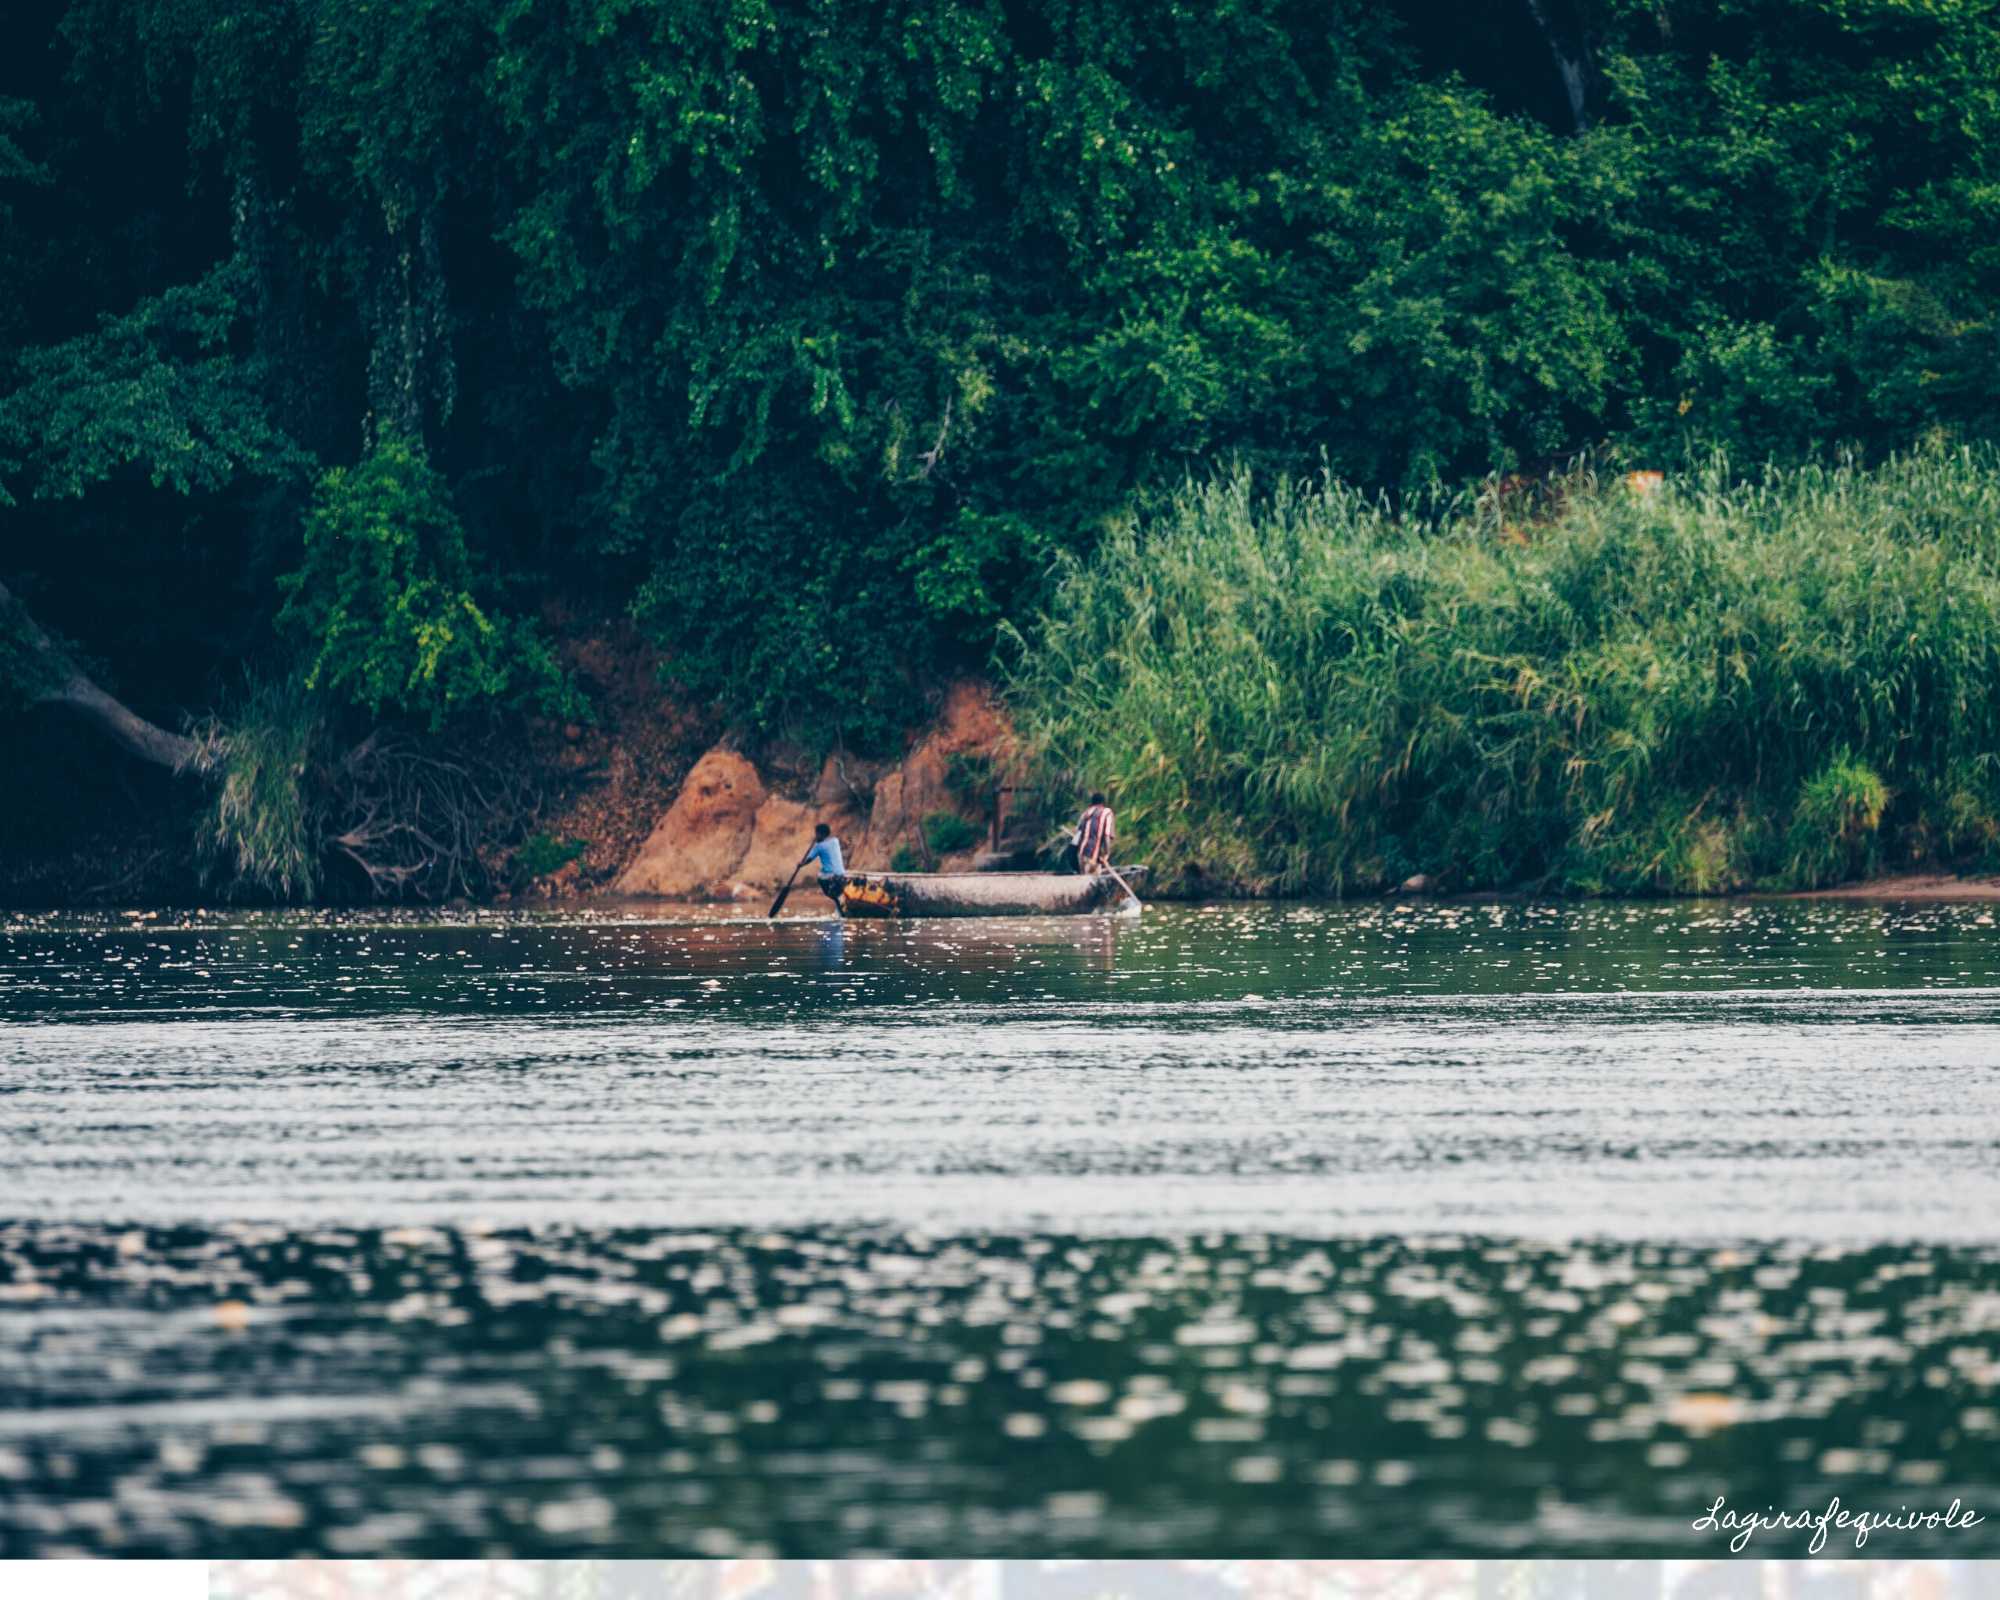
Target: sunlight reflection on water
1225,1230
431,1391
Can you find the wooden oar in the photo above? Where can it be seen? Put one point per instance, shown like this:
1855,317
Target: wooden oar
1130,893
1133,894
778,904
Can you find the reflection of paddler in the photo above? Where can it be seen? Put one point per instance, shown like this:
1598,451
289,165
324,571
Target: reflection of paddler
825,849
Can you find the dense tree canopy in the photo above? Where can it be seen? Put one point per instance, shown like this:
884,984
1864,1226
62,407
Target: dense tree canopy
813,329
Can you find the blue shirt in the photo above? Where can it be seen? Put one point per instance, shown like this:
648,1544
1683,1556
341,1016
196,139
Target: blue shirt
827,854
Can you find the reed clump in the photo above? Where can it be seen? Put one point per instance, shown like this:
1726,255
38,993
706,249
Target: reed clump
1779,680
263,829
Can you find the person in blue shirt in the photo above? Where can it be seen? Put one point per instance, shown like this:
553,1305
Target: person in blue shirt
826,851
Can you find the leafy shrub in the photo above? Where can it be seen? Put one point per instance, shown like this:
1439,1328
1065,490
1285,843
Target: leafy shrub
384,605
906,859
540,855
155,387
1835,821
948,832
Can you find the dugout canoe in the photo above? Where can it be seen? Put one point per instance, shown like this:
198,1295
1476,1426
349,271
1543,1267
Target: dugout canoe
977,894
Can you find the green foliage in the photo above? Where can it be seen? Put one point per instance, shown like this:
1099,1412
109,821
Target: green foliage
819,331
1726,683
997,290
1839,811
540,855
1801,198
156,387
384,609
14,163
947,833
935,301
906,859
264,824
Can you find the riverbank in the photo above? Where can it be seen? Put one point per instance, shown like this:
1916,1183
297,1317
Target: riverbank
650,806
648,797
82,824
651,797
1914,887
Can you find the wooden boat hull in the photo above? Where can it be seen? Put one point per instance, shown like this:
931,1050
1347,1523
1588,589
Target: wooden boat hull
977,894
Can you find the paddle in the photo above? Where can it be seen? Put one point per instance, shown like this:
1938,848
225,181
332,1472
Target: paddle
778,904
1129,891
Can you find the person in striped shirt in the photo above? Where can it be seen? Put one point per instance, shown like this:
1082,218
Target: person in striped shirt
1094,833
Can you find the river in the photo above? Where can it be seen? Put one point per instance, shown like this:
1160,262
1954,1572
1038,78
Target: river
1404,1228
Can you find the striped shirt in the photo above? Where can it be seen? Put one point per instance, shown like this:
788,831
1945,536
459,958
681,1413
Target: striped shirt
1094,833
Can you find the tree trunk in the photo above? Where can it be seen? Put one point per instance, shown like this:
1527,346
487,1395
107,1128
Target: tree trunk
63,684
1571,67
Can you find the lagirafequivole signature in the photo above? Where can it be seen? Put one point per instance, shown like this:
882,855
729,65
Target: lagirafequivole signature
1745,1524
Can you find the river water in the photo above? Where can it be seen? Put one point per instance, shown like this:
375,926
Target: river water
1295,1229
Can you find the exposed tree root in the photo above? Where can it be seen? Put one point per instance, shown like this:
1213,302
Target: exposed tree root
410,820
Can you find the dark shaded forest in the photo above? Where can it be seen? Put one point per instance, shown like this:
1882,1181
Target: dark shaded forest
341,346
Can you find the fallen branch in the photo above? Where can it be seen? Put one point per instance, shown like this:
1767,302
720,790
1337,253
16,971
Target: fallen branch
62,683
408,817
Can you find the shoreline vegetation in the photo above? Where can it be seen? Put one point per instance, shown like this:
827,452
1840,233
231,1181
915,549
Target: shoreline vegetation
350,355
1774,682
1606,683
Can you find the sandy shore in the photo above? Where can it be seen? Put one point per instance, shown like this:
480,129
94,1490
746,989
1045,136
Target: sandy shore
1913,887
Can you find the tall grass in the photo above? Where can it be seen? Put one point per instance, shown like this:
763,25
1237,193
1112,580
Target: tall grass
1780,681
264,825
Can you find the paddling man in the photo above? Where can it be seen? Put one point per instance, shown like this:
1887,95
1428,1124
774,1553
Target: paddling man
1094,832
826,851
